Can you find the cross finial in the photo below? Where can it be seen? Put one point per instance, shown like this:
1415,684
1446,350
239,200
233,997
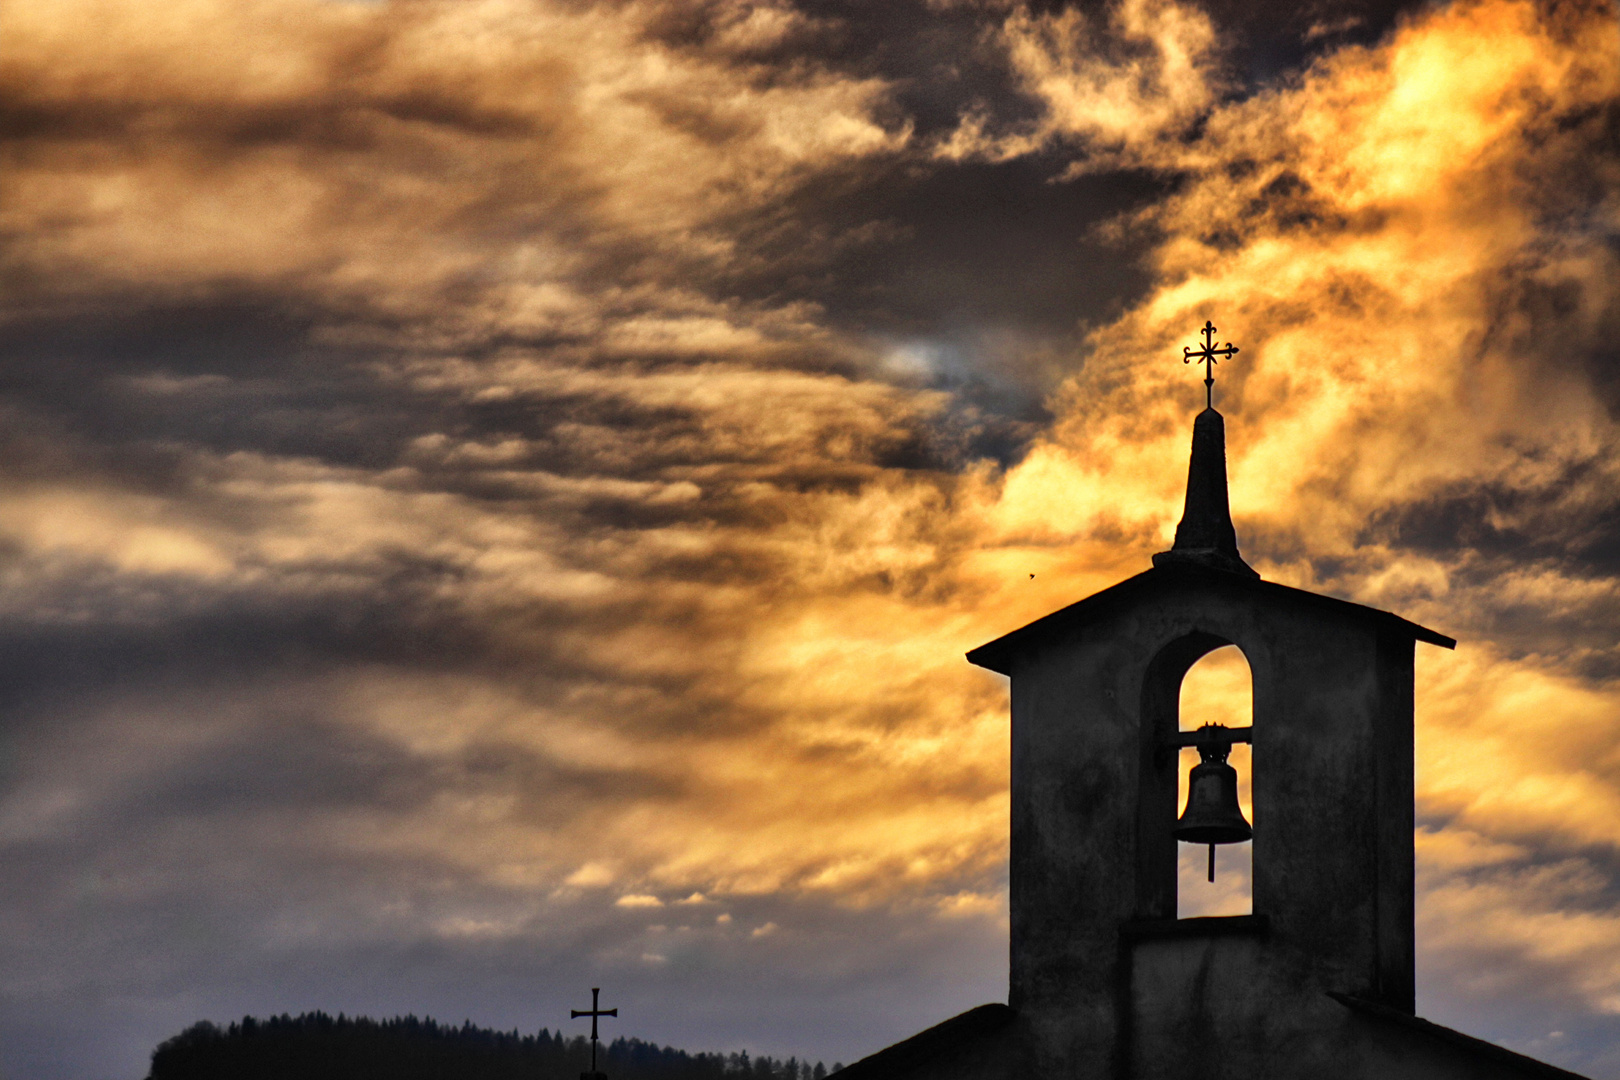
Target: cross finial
593,1012
1207,354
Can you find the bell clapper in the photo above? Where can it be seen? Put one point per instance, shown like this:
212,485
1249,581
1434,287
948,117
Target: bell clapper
1212,862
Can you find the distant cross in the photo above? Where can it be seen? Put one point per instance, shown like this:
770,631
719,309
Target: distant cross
1208,354
593,1012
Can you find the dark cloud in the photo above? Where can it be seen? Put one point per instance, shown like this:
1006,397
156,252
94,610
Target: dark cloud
496,495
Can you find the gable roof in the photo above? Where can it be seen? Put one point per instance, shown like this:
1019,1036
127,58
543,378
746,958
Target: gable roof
1498,1055
961,1034
953,1036
998,655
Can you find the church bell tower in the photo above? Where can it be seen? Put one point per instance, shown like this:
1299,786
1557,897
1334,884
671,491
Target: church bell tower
1106,981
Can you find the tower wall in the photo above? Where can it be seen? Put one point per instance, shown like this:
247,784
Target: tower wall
1104,979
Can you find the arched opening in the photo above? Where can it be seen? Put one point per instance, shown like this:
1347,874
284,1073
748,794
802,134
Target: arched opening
1218,689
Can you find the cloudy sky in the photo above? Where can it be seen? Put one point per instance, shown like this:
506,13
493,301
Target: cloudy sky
494,494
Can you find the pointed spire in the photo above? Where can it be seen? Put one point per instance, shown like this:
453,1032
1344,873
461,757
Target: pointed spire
1205,536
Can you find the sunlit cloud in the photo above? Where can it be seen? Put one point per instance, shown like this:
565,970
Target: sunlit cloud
448,509
1115,81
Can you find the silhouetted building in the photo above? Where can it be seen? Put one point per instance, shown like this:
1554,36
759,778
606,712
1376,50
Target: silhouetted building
1106,981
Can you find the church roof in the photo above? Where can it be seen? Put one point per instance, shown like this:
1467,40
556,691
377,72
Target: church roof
998,655
959,1034
937,1049
1497,1055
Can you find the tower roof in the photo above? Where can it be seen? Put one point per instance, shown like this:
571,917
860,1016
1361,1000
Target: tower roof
1205,552
999,655
1205,536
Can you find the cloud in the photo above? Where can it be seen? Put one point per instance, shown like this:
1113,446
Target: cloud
591,874
1141,74
457,463
378,157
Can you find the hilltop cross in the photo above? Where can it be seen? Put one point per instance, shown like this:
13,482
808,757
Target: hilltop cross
593,1012
1208,354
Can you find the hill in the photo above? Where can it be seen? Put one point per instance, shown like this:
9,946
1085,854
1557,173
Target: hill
316,1046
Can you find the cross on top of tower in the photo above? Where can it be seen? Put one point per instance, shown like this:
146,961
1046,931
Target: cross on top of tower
1207,353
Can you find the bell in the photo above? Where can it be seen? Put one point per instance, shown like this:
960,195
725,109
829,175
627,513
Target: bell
1212,815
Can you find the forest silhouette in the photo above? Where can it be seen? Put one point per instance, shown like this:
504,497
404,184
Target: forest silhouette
316,1046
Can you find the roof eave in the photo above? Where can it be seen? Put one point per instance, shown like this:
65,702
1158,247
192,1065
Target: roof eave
997,655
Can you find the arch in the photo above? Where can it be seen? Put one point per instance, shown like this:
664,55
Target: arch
1218,688
1159,770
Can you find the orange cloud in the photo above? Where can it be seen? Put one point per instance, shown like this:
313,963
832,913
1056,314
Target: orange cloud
647,575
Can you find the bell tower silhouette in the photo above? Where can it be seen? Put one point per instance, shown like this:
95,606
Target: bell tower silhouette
1105,980
1106,983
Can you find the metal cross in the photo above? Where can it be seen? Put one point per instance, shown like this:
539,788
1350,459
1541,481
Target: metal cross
593,1012
1208,354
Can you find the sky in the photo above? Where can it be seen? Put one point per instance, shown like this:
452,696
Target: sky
495,494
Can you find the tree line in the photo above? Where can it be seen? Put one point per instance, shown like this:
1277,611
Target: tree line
315,1046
